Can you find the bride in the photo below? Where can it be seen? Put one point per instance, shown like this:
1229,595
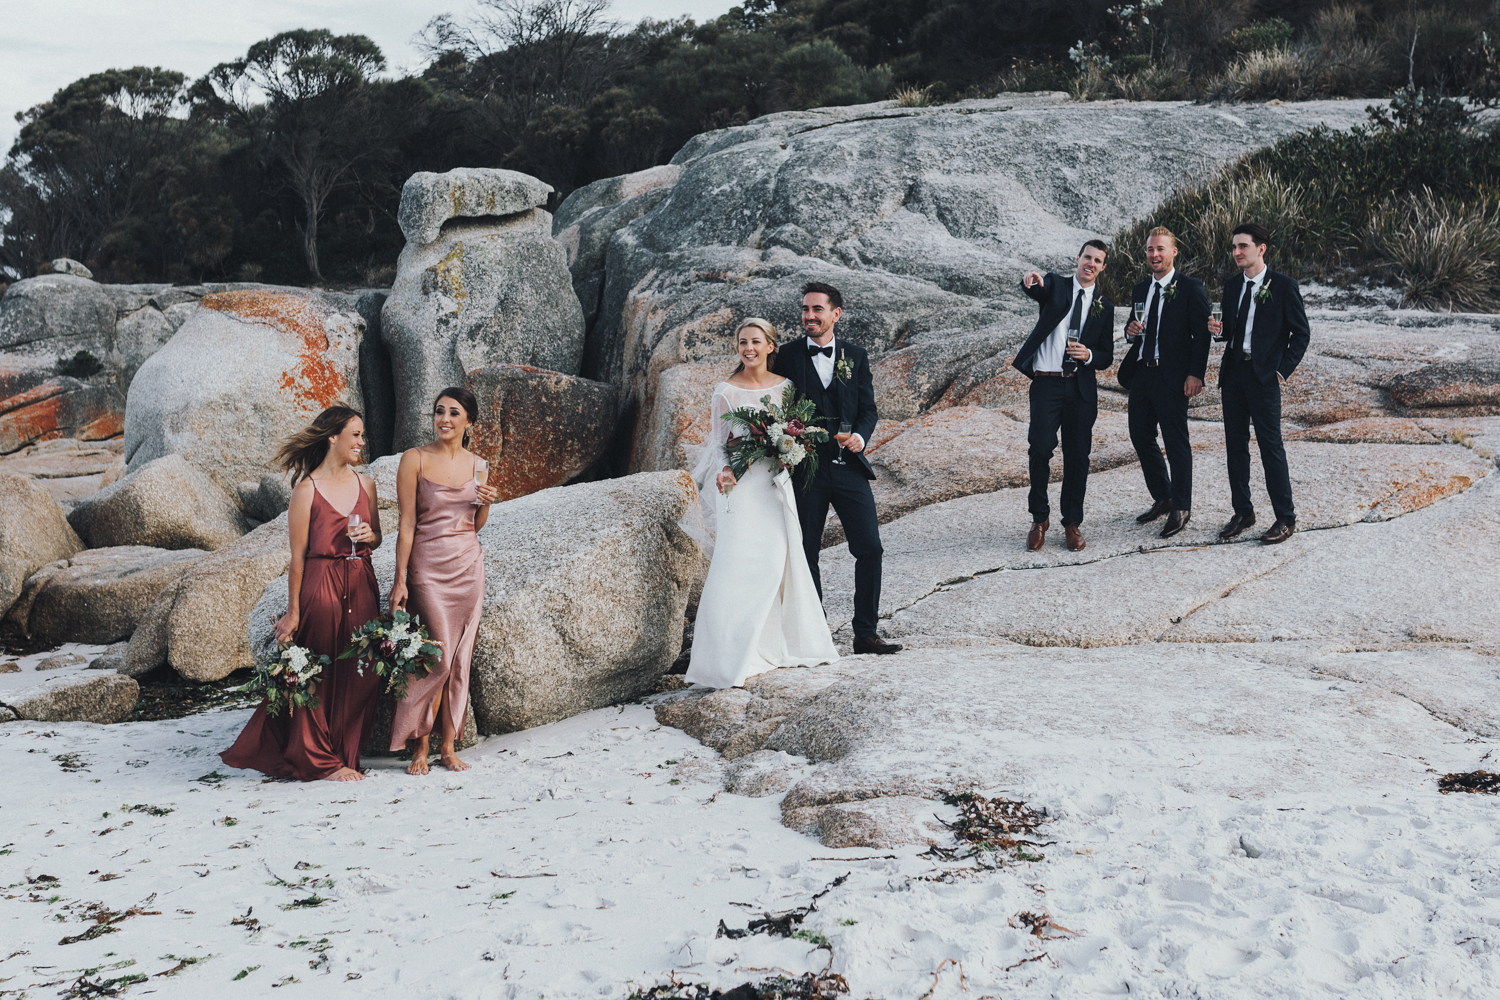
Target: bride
759,608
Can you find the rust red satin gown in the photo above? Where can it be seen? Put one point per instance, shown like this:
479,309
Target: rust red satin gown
338,596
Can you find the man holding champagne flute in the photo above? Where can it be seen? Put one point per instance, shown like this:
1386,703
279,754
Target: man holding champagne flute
1073,338
1163,368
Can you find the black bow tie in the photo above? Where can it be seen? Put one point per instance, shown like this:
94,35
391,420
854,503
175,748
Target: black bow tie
827,352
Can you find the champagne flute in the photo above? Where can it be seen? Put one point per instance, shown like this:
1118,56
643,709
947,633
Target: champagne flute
481,476
845,427
726,489
1140,316
1216,313
354,522
1073,332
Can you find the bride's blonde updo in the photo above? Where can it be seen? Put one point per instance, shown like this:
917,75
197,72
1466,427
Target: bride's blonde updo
765,327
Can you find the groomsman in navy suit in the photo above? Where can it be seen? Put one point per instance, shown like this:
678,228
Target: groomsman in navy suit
1163,369
1064,392
1266,326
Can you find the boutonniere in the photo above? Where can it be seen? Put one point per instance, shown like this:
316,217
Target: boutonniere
1264,295
1171,292
844,369
1098,309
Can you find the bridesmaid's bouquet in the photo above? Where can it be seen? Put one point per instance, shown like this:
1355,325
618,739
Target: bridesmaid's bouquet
784,436
396,646
288,682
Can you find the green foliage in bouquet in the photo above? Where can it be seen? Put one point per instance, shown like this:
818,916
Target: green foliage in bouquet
784,436
288,682
397,646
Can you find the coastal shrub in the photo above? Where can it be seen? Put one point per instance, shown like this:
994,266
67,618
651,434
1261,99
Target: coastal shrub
1261,36
1446,251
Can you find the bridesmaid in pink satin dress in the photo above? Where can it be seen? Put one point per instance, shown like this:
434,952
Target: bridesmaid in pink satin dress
440,575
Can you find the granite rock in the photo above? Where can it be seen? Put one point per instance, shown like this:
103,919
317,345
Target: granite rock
244,372
33,533
96,596
539,429
165,503
428,200
89,696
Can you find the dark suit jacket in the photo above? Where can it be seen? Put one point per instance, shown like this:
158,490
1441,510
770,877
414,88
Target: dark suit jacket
856,395
1181,331
1055,294
1280,334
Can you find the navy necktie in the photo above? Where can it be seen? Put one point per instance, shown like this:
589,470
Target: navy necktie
1075,322
1148,351
1241,315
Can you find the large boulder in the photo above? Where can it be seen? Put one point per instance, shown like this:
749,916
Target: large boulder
243,373
61,406
924,218
200,624
590,216
539,429
75,696
481,281
593,615
165,503
96,596
33,533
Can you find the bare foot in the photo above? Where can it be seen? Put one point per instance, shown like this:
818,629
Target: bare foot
418,748
345,774
451,762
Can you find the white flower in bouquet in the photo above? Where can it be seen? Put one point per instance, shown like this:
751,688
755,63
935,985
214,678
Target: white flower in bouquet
296,658
775,432
793,456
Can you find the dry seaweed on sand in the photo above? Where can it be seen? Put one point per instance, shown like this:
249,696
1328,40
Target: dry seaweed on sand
1487,782
807,986
990,826
783,924
165,695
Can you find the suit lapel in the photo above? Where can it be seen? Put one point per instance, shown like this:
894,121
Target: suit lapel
1263,309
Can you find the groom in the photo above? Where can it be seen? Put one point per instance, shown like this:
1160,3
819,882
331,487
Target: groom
835,375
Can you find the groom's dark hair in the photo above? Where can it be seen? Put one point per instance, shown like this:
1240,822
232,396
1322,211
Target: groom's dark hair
834,298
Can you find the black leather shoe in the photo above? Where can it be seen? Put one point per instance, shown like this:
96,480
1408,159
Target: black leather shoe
1176,522
1237,524
874,644
1157,510
1280,531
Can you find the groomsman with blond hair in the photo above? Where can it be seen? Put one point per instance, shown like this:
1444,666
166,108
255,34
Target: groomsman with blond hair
1164,368
1266,326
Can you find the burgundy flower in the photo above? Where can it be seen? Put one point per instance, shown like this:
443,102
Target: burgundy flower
795,427
388,647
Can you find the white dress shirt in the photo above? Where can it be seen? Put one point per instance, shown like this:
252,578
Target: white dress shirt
823,365
1159,291
1255,284
1049,357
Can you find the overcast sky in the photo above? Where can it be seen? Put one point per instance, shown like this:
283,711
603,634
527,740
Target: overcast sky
45,46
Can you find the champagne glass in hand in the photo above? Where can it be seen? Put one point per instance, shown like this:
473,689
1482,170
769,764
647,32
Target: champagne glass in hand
1073,332
726,489
1140,317
354,522
845,429
1216,315
481,476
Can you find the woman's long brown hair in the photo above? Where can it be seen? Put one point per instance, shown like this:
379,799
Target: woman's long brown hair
305,450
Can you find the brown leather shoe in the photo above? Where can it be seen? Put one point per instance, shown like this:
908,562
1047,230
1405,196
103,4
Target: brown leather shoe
1157,510
1038,532
874,644
1280,531
1236,525
1176,522
1075,538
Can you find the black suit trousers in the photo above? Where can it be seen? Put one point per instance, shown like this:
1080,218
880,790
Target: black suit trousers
1157,400
846,488
1058,404
1248,400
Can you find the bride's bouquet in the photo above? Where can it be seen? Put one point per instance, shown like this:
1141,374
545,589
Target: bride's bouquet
785,436
288,682
396,646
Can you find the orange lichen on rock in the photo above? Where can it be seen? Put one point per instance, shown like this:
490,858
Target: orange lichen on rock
314,381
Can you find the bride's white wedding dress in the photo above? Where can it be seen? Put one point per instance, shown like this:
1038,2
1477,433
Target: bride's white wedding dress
759,608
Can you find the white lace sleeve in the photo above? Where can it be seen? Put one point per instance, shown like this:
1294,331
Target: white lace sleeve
707,460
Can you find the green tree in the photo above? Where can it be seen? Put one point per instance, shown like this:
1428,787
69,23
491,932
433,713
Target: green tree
303,99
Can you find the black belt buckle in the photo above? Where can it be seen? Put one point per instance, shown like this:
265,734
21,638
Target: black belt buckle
1151,364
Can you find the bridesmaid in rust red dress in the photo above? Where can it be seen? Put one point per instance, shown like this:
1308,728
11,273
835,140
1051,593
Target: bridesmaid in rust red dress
331,595
440,575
